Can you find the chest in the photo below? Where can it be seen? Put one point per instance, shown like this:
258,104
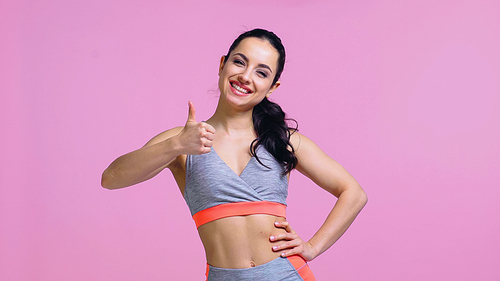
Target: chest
235,153
211,182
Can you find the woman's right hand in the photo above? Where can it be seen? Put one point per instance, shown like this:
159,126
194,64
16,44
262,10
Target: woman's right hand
158,153
196,137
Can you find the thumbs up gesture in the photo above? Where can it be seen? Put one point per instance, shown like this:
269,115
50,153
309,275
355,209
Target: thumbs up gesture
196,137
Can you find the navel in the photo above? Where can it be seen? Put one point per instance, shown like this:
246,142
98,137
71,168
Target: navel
252,264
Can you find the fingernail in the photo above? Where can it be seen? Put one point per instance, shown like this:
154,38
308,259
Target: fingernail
275,248
276,223
282,254
272,237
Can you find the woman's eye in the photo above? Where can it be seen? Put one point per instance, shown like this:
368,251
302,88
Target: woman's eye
262,74
238,62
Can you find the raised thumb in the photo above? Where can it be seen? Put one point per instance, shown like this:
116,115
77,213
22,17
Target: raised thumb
191,115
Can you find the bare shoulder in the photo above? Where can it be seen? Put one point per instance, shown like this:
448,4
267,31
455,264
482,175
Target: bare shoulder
298,140
303,146
315,164
294,139
305,149
164,136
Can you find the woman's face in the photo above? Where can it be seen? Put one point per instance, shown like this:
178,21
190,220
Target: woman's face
247,75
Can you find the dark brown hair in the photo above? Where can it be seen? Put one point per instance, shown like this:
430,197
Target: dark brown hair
269,120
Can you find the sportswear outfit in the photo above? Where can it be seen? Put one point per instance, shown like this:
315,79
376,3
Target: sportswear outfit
214,191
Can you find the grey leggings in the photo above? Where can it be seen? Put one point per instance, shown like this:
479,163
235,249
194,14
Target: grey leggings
277,269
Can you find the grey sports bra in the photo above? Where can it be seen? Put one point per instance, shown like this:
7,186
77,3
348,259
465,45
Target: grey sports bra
213,190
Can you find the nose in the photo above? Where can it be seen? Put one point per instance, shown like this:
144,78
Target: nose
244,77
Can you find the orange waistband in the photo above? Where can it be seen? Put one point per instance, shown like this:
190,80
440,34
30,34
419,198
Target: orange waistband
239,209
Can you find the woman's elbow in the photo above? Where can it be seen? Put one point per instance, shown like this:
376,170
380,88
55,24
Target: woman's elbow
362,198
108,180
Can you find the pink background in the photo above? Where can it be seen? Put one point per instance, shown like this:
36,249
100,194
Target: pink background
404,94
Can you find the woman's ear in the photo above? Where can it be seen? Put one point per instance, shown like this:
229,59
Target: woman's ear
221,65
273,87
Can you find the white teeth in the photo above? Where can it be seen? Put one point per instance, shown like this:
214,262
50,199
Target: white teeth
239,88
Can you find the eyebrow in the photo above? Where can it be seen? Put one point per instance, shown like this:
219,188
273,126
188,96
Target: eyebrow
260,64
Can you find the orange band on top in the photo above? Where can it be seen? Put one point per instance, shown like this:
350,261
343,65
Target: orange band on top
239,209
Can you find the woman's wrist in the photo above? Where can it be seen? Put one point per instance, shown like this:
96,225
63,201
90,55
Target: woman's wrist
316,247
173,145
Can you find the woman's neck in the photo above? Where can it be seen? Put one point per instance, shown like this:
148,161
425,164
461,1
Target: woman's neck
231,121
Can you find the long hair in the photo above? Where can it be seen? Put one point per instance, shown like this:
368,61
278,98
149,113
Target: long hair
269,120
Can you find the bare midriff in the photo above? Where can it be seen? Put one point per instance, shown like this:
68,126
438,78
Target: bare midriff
240,241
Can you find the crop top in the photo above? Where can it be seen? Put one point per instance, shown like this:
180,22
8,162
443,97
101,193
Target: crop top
213,190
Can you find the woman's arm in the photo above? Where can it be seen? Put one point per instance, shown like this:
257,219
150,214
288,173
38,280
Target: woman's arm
158,153
143,163
331,176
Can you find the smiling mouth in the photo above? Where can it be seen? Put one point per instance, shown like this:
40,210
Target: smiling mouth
240,89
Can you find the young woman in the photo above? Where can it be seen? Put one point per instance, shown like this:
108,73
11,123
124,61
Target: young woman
233,172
